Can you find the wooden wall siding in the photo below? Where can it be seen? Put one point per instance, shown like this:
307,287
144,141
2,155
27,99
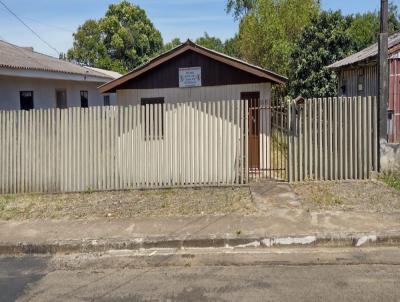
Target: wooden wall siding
214,73
195,94
349,78
333,139
112,148
394,101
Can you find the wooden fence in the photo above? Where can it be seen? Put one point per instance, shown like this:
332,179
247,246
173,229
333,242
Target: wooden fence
333,139
111,148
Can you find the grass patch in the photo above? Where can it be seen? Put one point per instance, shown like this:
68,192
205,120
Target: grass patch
322,195
128,204
392,179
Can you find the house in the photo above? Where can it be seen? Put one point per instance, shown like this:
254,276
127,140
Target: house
31,80
358,76
190,73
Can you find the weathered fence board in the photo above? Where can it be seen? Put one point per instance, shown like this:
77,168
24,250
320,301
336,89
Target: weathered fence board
111,148
332,139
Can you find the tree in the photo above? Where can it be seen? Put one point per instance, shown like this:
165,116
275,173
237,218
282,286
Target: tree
270,29
170,45
211,42
325,41
123,39
239,8
231,47
364,28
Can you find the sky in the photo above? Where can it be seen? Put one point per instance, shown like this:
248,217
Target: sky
56,21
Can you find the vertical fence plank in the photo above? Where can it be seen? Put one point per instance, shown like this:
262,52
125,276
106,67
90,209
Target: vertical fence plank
346,138
375,139
365,131
246,142
369,137
360,138
340,138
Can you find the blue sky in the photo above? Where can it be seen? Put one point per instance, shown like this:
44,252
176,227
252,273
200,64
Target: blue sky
57,20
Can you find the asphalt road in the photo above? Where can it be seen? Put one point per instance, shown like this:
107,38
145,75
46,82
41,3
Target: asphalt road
294,275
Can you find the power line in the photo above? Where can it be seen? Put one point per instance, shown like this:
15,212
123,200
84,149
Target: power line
49,25
27,26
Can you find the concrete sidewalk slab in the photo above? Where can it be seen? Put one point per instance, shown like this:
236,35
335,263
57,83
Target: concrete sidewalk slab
279,227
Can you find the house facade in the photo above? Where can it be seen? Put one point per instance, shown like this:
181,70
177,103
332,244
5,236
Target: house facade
30,80
192,73
358,76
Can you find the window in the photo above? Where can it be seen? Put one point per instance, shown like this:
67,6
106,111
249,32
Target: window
26,100
84,99
360,82
107,100
61,98
154,132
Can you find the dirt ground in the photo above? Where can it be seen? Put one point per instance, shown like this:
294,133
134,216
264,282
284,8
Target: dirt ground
372,196
126,204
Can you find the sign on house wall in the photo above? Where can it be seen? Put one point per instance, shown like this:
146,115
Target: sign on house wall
190,77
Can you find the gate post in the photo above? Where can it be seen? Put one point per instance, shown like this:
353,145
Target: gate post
289,138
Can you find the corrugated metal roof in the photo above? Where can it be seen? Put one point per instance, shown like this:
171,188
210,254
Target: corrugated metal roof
365,54
15,57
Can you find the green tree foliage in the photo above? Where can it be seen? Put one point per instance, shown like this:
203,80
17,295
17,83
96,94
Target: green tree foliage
323,42
231,47
170,45
239,8
123,39
269,31
364,28
211,42
228,47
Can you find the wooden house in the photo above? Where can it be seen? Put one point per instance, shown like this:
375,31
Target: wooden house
192,73
358,76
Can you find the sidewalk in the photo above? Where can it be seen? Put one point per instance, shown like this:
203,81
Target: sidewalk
283,219
281,227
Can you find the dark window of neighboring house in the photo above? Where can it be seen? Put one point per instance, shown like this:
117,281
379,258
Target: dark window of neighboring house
26,100
154,130
360,82
61,98
84,99
106,100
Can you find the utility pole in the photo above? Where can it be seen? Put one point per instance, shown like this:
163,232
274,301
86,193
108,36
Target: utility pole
383,77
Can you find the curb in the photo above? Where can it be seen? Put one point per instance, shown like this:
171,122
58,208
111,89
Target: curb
103,245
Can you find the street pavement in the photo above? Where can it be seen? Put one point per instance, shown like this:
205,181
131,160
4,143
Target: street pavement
368,274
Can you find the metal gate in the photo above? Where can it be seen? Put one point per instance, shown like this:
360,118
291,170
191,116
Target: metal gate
268,139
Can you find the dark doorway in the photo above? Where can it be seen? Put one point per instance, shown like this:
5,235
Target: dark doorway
254,128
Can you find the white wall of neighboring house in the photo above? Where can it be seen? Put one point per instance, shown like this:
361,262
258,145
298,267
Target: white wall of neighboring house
44,91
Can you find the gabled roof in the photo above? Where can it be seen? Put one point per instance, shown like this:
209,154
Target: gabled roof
24,58
368,54
190,46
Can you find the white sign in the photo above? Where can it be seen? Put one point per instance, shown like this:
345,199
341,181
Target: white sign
190,77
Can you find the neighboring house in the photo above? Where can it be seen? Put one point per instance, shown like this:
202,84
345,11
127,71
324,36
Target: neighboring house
358,76
191,72
31,80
